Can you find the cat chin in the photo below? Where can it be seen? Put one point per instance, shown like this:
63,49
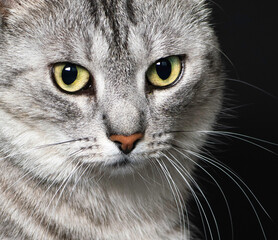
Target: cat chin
121,171
122,164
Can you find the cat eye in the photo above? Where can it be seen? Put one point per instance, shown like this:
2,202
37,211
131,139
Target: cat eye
165,71
70,77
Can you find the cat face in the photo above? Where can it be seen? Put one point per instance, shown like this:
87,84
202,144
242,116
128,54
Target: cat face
74,73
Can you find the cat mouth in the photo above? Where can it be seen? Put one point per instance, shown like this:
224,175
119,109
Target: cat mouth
122,162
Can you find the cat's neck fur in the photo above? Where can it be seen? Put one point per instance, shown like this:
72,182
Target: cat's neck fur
108,208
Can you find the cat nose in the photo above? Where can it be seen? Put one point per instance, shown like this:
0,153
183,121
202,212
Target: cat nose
126,143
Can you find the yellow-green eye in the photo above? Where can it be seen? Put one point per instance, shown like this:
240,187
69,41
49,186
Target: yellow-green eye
70,77
165,71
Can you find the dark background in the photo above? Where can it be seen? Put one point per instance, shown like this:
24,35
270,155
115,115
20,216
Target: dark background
248,35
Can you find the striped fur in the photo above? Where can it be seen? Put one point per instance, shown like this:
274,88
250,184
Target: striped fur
59,172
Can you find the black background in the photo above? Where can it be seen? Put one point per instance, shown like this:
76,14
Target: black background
248,35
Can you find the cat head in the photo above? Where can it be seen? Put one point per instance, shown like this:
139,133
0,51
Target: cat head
104,84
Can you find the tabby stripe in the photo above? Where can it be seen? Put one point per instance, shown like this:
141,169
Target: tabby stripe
110,11
94,11
130,11
47,227
5,229
8,78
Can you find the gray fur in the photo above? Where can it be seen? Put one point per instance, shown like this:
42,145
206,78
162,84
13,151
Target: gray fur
60,176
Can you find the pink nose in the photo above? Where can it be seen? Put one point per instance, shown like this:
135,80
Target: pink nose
126,143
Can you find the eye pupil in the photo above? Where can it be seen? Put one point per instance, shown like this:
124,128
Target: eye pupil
163,68
69,74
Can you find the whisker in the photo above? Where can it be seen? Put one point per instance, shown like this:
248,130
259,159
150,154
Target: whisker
234,135
176,194
146,182
217,5
159,172
192,191
63,142
77,152
223,169
64,183
78,179
183,206
223,54
229,109
67,182
253,86
239,135
215,181
198,203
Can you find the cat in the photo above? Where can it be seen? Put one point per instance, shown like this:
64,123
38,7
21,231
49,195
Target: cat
105,106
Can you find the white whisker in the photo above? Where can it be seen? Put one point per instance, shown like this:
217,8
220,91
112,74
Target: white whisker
214,180
223,169
185,171
176,193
